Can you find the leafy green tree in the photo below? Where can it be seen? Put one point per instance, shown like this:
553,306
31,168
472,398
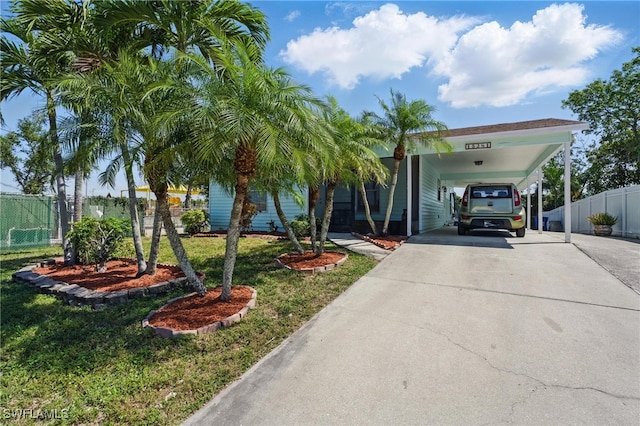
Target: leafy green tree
553,181
28,154
401,121
612,109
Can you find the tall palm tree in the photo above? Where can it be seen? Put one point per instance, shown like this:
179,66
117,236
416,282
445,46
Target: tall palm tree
200,26
401,122
354,161
68,29
252,118
25,66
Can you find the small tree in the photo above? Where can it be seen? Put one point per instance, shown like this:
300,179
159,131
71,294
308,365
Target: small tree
96,240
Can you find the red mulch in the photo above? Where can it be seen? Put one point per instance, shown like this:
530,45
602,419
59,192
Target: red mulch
120,275
310,260
193,312
388,242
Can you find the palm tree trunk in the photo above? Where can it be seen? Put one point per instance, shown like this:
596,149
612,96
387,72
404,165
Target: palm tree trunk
187,197
162,204
328,209
61,187
392,190
233,235
154,251
77,196
314,194
133,210
285,223
367,209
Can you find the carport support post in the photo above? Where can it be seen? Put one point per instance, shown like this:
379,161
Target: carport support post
409,194
567,189
540,221
528,202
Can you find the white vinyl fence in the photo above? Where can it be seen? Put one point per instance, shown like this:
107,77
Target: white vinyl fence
623,203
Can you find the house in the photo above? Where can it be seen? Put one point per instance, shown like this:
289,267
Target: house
508,152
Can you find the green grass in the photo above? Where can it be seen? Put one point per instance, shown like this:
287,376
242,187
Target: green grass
102,367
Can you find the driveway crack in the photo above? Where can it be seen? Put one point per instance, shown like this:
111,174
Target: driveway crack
534,379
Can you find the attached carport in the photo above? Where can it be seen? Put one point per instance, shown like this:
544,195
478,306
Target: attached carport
509,152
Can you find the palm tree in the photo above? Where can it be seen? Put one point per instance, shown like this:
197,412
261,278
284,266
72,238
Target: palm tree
253,118
400,123
202,27
26,67
354,161
68,30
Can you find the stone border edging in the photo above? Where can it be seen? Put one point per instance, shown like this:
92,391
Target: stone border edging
310,271
76,295
167,332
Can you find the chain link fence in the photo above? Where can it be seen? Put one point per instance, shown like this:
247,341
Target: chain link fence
26,221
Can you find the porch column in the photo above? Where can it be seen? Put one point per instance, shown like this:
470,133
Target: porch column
567,189
540,221
409,194
528,201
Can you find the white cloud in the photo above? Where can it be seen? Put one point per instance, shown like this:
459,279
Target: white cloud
492,65
384,43
292,16
482,63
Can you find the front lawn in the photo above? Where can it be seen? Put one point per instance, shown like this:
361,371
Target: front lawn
101,367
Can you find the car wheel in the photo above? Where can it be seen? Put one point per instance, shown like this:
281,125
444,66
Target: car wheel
461,230
520,232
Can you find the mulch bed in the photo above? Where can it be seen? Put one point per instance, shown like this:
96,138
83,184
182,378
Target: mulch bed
194,311
120,275
309,260
388,242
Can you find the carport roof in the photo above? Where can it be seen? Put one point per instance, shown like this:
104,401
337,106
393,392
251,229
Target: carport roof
507,152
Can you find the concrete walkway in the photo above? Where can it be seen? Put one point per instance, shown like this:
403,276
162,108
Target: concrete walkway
484,328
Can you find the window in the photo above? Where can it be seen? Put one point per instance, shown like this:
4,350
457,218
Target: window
373,197
259,199
491,192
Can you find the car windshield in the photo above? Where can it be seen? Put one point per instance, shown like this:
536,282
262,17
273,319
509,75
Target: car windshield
491,192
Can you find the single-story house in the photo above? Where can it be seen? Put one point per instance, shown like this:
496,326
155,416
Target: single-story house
509,152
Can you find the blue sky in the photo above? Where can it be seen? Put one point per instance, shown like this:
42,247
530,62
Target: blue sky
477,62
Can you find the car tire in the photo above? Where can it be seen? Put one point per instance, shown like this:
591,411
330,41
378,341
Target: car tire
461,230
520,232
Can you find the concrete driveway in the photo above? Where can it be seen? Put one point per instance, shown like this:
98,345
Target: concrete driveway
485,328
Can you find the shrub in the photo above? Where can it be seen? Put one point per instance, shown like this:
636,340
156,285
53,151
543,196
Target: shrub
195,221
97,240
301,228
603,219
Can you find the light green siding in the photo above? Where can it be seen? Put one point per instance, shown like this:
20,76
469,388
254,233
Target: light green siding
434,214
220,204
399,199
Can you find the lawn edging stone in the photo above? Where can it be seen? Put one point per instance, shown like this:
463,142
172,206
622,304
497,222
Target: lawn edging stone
76,295
167,332
316,269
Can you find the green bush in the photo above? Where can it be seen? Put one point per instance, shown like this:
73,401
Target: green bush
195,221
301,228
97,240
